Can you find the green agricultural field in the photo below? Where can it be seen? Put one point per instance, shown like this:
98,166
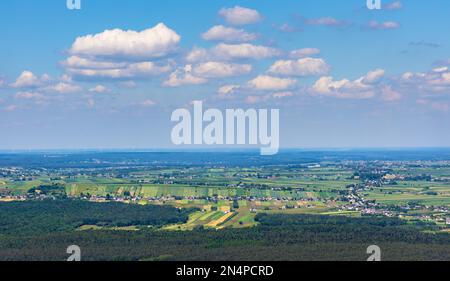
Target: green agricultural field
405,198
331,188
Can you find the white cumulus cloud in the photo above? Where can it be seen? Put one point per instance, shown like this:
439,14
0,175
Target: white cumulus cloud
265,82
383,25
29,96
240,15
244,51
301,67
28,79
280,95
132,70
228,90
154,42
435,81
63,88
147,103
374,76
228,34
198,54
389,95
78,62
215,69
184,76
362,88
227,52
100,89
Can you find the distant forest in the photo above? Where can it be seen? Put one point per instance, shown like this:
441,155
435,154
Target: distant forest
42,230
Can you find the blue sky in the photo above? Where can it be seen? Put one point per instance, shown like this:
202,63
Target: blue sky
109,75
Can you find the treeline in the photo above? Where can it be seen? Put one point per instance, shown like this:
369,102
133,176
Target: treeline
28,236
310,220
53,189
37,217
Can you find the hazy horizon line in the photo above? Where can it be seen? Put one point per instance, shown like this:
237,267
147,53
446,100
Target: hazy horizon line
221,150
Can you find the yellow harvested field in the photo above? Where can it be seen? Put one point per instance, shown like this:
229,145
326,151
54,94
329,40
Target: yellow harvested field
225,208
310,194
207,208
215,223
10,200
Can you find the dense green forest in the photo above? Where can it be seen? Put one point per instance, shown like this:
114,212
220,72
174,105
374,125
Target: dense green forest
36,217
42,230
